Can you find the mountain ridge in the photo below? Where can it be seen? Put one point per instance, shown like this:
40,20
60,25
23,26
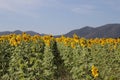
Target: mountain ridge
104,31
18,32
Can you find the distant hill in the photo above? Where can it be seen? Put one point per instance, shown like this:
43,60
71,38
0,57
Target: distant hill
105,31
80,32
18,32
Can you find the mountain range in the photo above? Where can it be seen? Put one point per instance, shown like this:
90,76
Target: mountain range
18,32
105,31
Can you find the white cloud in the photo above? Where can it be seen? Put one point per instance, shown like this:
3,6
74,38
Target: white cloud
84,9
113,4
13,4
24,7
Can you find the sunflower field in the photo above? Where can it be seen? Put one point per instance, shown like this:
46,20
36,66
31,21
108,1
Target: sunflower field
25,57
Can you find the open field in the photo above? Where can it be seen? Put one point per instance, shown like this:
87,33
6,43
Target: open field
25,57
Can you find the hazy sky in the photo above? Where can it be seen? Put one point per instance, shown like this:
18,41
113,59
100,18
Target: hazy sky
57,16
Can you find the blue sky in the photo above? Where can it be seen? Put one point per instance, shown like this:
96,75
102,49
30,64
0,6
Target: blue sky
57,16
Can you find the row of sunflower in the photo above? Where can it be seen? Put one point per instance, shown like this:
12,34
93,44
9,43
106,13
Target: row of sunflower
25,57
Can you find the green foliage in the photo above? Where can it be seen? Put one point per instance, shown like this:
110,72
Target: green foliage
48,64
107,61
5,54
37,61
78,61
26,62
